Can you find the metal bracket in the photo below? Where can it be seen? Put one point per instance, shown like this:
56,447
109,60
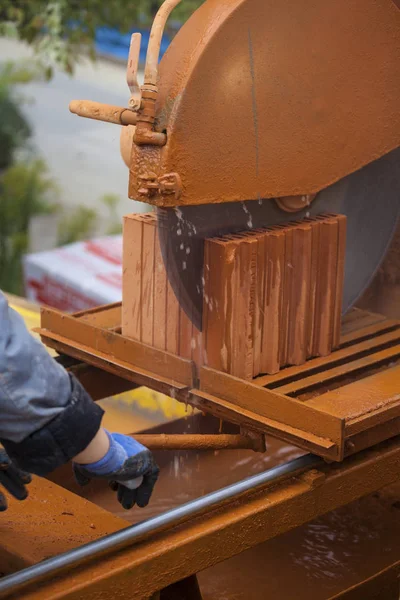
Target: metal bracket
150,184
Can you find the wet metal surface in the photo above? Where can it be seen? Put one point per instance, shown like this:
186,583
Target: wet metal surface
315,560
319,555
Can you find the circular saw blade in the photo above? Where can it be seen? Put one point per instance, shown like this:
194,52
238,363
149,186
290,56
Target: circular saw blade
370,199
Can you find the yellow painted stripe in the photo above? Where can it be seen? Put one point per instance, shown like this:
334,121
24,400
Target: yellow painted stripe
31,317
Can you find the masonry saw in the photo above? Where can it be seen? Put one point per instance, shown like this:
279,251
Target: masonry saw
263,112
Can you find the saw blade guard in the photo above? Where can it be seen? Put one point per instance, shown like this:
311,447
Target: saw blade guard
269,99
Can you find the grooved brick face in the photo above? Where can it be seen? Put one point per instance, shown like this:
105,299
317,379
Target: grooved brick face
273,297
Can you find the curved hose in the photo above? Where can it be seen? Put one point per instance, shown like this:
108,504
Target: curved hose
153,49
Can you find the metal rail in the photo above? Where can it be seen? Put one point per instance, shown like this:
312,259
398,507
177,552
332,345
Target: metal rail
135,533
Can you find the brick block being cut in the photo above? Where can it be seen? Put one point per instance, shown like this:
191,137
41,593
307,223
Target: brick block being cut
273,297
150,309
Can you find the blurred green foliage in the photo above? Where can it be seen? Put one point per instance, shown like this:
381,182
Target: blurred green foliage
62,30
14,129
82,222
26,190
78,224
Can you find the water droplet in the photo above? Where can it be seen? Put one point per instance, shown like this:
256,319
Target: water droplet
178,212
176,466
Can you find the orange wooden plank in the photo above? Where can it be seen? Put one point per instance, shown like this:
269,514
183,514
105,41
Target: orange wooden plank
369,331
101,349
109,316
272,404
325,362
362,397
229,411
364,319
360,364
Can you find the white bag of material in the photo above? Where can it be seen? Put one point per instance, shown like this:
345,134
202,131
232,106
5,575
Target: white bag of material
76,277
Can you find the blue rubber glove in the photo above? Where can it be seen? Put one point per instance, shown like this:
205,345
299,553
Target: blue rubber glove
128,466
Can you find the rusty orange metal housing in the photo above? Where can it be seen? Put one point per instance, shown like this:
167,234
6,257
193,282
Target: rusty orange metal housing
268,98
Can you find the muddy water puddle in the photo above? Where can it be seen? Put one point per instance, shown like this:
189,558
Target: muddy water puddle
314,561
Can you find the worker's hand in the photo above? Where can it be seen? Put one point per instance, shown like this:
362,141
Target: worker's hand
129,468
13,479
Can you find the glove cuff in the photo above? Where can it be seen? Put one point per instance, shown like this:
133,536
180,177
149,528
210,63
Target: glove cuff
111,462
62,438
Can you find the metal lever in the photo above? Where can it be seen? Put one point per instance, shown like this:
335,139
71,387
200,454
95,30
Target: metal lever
132,71
103,112
141,111
199,441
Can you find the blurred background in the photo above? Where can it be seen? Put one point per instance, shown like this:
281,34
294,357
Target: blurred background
62,180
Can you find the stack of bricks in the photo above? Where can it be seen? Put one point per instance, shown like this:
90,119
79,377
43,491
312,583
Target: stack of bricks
272,297
150,310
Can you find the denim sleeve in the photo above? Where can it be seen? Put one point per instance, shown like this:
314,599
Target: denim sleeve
33,387
46,416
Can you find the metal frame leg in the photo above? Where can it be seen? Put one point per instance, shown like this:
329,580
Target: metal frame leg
186,589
